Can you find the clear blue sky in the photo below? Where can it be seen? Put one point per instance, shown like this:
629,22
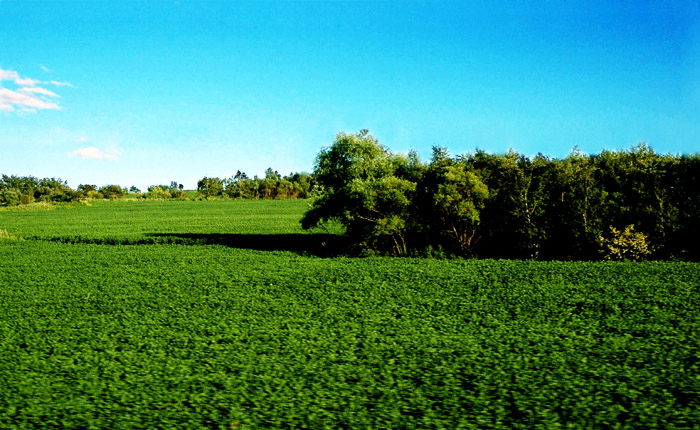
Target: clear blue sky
147,92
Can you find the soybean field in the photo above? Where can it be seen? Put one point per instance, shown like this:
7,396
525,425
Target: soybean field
226,314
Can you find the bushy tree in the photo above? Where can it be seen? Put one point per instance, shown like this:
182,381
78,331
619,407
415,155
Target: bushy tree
451,200
156,192
210,187
362,191
112,192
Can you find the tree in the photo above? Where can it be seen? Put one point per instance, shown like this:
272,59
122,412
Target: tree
112,192
272,174
361,191
210,187
512,219
452,197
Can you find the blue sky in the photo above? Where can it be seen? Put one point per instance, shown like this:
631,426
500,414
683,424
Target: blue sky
148,92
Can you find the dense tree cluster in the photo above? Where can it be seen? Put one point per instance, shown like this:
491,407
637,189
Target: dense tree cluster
272,186
16,190
621,205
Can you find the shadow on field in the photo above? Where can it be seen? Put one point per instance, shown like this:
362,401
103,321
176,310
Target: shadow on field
325,245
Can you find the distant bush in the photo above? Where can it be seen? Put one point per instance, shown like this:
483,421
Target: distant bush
178,194
25,199
94,194
112,192
10,197
157,193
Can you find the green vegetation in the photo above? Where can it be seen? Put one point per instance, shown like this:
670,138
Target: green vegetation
625,205
509,206
25,190
187,314
272,186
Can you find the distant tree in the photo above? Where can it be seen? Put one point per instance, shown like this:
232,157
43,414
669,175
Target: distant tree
272,174
239,175
10,197
112,192
134,189
156,192
210,187
85,188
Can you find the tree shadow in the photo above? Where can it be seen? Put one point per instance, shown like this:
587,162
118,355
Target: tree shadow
322,245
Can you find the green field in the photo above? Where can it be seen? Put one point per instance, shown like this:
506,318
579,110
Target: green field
225,314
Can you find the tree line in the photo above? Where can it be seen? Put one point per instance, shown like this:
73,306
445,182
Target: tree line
625,205
22,190
271,186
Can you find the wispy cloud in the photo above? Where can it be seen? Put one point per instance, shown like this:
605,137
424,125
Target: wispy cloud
44,68
39,90
93,153
8,75
26,82
61,84
10,100
27,97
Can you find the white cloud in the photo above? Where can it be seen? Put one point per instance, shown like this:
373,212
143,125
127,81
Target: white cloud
61,84
8,75
94,154
25,101
44,68
28,97
39,90
26,82
11,75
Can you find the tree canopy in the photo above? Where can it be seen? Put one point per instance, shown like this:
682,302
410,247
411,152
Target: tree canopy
509,206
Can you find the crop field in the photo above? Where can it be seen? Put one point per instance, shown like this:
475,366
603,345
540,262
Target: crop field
225,314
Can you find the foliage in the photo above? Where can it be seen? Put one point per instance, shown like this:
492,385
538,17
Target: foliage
364,191
15,190
221,334
453,198
625,245
272,186
112,192
507,206
157,193
210,187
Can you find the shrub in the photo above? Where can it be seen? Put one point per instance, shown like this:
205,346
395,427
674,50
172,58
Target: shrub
157,193
9,197
25,199
626,245
112,192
